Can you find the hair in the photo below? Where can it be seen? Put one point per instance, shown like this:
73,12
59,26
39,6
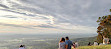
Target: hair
105,36
21,45
89,43
95,41
67,37
73,42
62,39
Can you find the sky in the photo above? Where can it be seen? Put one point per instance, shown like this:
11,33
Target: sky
51,16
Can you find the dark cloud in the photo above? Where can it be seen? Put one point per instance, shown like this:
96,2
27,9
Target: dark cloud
4,6
45,26
51,26
9,16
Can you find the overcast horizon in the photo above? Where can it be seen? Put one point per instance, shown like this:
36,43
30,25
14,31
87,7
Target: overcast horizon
51,16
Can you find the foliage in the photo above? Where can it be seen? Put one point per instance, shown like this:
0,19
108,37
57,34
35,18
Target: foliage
99,38
104,28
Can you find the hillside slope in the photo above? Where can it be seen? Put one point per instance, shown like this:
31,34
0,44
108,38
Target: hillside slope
96,47
85,41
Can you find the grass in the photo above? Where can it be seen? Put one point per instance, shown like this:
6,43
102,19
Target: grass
96,47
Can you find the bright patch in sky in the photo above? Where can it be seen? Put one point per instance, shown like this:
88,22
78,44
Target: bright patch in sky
51,16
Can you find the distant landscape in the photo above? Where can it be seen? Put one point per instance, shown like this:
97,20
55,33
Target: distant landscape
40,41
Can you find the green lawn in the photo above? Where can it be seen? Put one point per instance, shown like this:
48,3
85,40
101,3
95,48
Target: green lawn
96,47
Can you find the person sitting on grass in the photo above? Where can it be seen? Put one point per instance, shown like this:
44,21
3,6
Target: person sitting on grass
77,44
105,40
22,47
95,43
89,44
74,45
62,43
68,43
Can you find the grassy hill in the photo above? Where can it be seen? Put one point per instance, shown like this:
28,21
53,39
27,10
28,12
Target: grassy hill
96,47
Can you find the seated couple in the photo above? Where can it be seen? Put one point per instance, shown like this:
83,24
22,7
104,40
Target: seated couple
65,44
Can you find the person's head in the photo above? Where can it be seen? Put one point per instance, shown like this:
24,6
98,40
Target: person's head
73,42
62,39
21,45
67,38
89,44
95,41
105,37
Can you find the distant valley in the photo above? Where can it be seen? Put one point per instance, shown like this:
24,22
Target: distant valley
39,41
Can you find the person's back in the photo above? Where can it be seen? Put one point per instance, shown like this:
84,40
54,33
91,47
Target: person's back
77,45
21,48
95,43
62,45
74,45
105,41
101,44
68,43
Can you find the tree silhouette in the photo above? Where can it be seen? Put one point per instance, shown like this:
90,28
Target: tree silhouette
104,28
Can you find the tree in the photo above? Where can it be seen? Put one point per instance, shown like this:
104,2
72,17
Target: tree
104,28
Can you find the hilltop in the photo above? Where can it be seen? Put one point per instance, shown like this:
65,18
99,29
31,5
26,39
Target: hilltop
96,47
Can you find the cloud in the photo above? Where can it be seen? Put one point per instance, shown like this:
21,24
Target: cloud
9,16
15,25
37,19
45,26
58,14
3,6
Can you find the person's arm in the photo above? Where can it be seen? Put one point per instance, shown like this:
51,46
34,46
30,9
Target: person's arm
103,40
59,45
74,46
66,45
108,41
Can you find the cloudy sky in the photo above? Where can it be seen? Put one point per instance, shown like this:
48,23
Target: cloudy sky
51,16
